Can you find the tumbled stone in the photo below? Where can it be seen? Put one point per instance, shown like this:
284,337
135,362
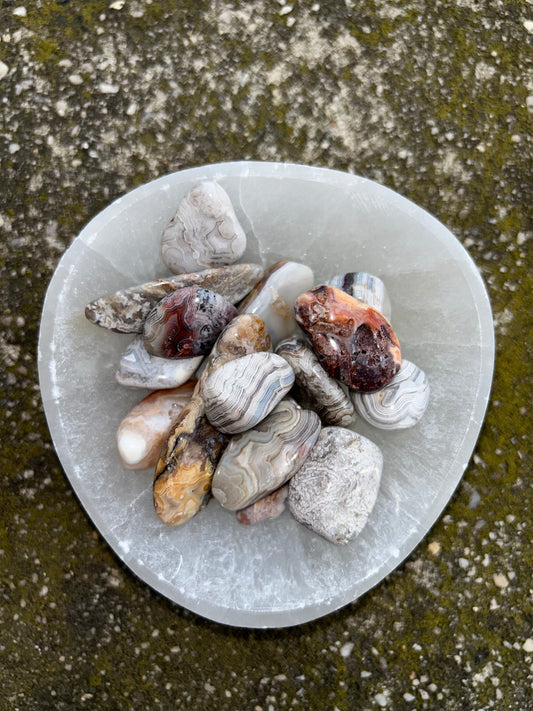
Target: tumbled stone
262,459
245,334
269,507
399,404
365,287
334,491
239,394
204,232
144,429
125,311
182,481
274,296
354,343
314,388
139,369
186,323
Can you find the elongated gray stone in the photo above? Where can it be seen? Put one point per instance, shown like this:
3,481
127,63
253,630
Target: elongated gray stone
126,310
314,388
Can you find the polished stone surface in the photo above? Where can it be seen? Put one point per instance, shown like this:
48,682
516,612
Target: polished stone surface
430,100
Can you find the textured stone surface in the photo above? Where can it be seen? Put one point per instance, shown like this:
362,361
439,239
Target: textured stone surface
98,97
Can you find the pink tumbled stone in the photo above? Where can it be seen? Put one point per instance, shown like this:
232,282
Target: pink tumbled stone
270,506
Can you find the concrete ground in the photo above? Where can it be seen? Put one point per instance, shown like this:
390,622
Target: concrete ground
431,99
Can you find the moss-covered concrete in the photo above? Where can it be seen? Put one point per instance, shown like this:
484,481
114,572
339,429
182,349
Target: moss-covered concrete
431,99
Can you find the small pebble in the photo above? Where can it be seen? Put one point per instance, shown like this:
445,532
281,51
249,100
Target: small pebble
500,580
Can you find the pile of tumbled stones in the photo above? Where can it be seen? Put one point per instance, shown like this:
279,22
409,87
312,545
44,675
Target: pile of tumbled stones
256,377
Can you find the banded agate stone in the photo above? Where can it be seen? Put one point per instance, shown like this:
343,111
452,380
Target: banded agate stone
239,394
313,387
399,404
259,461
204,232
334,491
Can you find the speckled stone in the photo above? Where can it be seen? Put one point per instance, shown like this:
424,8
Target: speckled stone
354,343
334,491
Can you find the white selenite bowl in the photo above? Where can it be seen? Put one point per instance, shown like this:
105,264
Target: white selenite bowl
277,573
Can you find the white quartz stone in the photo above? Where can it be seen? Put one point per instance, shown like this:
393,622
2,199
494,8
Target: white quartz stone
248,575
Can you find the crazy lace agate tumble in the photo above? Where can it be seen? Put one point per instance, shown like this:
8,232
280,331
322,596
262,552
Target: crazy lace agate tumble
366,288
125,311
269,507
182,480
400,404
354,342
258,461
143,431
239,394
274,296
313,387
139,369
204,232
334,491
246,334
186,323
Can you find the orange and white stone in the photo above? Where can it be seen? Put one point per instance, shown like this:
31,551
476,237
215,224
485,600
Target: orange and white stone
143,431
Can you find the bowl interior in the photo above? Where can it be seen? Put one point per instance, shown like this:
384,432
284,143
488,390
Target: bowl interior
277,573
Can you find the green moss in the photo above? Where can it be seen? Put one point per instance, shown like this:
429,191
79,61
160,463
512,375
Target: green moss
47,50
